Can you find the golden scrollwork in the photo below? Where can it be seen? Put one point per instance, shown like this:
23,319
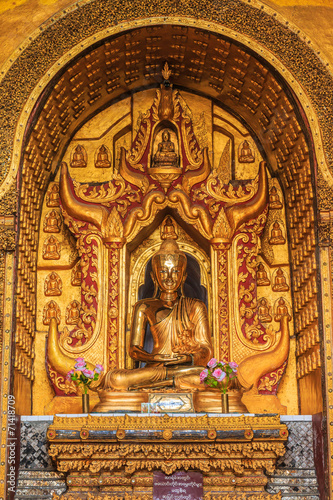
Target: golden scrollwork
229,194
194,156
142,216
103,194
134,156
192,214
237,279
268,382
65,385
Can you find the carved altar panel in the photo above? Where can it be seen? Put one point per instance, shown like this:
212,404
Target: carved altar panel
241,323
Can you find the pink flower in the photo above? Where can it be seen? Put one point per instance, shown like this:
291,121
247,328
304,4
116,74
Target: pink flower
99,369
233,366
212,362
88,373
69,374
80,363
219,374
203,375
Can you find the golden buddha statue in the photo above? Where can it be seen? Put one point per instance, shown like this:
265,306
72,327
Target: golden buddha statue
277,237
166,157
274,199
102,160
179,326
53,196
52,222
264,311
73,313
262,278
246,155
53,285
51,310
280,283
79,160
51,249
282,310
168,230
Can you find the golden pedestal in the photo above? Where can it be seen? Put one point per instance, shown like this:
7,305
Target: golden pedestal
204,401
114,457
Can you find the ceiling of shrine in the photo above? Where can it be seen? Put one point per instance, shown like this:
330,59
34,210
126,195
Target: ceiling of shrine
200,61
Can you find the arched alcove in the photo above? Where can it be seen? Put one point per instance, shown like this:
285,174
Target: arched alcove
216,66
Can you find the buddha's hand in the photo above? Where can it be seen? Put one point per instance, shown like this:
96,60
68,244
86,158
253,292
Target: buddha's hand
161,358
180,359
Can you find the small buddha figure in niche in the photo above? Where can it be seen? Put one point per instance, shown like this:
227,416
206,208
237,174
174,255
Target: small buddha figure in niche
52,285
246,155
165,156
168,230
274,199
76,275
280,283
73,313
51,249
264,311
281,310
262,278
277,237
179,327
51,310
102,160
53,196
52,222
79,157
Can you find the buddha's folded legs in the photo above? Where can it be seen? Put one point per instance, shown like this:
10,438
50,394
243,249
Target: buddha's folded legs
122,379
181,377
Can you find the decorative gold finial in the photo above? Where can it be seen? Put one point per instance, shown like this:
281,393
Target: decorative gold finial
166,71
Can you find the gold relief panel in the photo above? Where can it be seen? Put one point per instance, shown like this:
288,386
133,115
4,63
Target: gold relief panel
52,195
109,129
52,222
51,310
264,311
103,157
52,285
281,308
79,157
73,313
279,281
275,198
276,234
51,248
262,275
246,152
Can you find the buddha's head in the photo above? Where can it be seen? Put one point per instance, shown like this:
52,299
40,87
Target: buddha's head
166,136
169,266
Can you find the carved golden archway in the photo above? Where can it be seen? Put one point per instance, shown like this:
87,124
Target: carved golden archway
247,86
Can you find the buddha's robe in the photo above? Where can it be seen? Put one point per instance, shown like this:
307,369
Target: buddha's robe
183,331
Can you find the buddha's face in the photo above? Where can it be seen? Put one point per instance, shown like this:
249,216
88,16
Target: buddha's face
166,136
169,271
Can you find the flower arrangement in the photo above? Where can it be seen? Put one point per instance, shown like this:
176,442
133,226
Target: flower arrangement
82,375
218,374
